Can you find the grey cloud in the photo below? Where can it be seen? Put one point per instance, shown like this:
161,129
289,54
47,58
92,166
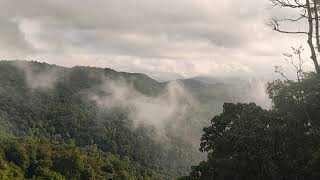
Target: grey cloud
149,19
11,37
179,30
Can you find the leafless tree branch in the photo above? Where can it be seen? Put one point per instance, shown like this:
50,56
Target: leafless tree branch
288,3
275,25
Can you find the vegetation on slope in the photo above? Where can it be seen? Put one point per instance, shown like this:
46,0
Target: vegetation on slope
26,158
62,112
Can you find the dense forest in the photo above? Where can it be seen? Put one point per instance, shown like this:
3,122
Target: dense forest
41,101
28,158
53,127
122,114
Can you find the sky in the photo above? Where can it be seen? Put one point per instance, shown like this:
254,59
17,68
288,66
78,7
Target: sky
165,39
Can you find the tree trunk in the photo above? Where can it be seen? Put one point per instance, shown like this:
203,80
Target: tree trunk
310,34
316,17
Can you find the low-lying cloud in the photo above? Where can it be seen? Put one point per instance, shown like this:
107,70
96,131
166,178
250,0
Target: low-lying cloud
37,78
172,105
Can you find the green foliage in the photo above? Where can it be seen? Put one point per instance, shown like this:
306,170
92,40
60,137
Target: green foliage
57,161
17,155
9,171
65,113
69,164
46,173
298,99
247,142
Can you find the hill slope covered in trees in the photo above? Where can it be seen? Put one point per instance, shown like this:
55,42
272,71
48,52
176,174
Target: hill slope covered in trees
44,101
154,125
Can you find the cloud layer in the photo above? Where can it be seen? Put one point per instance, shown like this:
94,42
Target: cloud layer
165,39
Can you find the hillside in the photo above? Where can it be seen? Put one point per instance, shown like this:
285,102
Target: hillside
156,125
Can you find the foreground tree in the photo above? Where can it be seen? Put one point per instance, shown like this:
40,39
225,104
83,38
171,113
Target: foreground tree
300,99
248,142
307,16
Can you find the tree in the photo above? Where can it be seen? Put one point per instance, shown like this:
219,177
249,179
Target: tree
70,164
308,13
236,145
16,153
246,142
299,99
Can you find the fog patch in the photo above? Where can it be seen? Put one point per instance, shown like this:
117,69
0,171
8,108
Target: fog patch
37,78
258,93
177,110
172,105
262,97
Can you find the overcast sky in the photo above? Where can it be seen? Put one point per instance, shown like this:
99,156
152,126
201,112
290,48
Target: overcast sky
165,39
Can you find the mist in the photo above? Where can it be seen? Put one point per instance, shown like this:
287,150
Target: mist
37,78
174,110
169,108
257,93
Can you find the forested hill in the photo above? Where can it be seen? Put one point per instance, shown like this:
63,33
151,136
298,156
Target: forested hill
38,100
151,128
109,111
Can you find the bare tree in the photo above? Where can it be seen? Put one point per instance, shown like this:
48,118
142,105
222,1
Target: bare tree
296,60
307,11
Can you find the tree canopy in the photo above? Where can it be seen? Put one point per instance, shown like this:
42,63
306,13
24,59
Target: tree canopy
248,142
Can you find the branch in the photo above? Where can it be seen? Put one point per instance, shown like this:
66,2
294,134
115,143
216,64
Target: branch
279,70
290,19
296,60
274,24
287,3
290,32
